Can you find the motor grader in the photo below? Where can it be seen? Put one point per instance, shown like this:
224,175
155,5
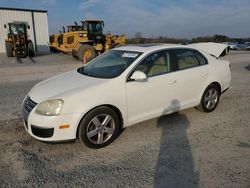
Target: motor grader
94,42
56,40
18,43
86,41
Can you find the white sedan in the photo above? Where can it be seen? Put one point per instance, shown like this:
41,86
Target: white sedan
122,87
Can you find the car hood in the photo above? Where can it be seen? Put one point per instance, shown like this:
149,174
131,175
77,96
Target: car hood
63,83
212,48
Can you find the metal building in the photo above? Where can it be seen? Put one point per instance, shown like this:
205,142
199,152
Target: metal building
36,19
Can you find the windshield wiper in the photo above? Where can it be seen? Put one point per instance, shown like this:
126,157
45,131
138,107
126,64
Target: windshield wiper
81,69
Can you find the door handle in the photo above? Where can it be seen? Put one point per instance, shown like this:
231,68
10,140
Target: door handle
204,74
172,82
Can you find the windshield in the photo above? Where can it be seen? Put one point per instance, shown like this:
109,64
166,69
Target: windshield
109,65
95,27
17,28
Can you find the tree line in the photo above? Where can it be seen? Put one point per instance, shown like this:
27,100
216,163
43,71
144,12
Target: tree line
139,39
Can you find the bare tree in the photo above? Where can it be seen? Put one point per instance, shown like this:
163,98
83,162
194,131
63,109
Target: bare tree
138,37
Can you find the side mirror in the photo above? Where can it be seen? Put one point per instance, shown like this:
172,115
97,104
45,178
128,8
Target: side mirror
139,76
5,26
28,26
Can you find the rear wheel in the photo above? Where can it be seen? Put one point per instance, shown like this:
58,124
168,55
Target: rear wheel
9,49
86,53
210,99
31,50
99,127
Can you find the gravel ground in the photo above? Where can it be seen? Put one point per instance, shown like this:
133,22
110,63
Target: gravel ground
38,68
185,149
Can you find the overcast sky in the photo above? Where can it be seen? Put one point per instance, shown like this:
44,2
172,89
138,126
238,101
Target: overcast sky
173,18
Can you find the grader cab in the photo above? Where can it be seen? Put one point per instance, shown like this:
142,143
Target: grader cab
18,43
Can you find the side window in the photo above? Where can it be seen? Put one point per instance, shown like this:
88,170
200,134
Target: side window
186,59
201,58
90,28
155,64
70,40
84,26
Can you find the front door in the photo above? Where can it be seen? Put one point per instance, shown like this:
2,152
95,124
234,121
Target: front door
156,95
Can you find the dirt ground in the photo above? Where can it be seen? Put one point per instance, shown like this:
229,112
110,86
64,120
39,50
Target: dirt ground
185,149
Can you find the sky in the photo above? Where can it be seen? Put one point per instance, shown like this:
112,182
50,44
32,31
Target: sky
172,18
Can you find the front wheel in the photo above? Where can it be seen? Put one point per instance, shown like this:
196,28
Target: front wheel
210,99
99,127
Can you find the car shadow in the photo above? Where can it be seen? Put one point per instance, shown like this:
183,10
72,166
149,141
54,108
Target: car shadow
243,144
175,166
247,67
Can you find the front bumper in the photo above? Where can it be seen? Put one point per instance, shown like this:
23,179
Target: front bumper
47,128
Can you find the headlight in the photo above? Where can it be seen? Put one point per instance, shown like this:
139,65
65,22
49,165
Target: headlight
50,107
82,35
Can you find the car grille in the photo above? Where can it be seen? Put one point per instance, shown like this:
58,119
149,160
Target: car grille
27,107
29,104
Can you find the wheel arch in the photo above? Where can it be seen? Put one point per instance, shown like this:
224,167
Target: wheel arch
217,85
204,89
81,43
90,42
106,105
29,40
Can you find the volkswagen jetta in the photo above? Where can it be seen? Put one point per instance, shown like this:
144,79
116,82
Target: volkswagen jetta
122,87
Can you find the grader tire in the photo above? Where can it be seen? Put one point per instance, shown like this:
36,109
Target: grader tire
86,53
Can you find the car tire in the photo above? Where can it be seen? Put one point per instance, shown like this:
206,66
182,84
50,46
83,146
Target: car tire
99,127
210,99
86,53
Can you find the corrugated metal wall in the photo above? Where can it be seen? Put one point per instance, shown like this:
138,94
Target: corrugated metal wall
40,24
42,31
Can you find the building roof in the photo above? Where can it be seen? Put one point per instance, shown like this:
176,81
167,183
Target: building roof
21,9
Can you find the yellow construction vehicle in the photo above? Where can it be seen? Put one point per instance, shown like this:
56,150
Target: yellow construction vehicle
57,40
18,43
53,39
86,41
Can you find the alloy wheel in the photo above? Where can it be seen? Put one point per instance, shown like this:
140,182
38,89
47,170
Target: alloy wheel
211,98
100,129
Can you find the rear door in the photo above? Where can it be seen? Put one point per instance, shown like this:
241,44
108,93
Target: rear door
192,74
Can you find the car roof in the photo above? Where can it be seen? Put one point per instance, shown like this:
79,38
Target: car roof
148,47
